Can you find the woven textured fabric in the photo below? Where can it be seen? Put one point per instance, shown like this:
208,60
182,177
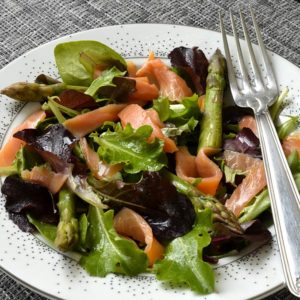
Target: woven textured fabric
26,24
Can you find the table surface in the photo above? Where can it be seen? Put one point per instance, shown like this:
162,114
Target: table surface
26,24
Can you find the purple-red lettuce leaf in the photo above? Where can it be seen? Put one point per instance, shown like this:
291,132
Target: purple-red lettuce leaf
76,100
28,198
191,61
169,213
119,90
244,142
225,241
22,222
233,114
54,144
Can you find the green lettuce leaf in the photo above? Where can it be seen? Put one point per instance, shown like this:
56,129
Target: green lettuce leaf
110,253
77,61
293,161
230,175
162,106
131,148
188,127
48,231
278,105
284,129
25,160
260,203
106,79
183,259
178,114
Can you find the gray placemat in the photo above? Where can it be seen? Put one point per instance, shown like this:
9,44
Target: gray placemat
26,24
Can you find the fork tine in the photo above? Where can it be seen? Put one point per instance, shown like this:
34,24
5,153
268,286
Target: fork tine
269,70
246,83
231,76
257,75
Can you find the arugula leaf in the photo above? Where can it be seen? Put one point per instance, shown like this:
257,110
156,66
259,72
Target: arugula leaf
110,253
183,260
78,61
106,79
132,148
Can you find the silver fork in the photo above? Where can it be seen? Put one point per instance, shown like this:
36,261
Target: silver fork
285,200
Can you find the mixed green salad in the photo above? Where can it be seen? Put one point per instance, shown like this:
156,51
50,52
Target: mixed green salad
140,168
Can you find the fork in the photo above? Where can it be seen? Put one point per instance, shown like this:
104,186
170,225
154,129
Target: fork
285,200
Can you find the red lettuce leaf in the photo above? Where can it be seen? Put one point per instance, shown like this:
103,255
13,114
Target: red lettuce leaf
244,142
123,86
76,100
225,240
233,114
28,198
191,61
22,222
169,213
54,144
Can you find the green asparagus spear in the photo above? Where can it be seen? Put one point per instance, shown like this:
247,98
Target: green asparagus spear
67,229
211,126
24,91
200,201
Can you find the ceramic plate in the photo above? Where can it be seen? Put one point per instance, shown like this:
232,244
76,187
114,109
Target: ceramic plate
255,273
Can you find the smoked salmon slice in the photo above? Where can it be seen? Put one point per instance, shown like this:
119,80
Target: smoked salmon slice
131,68
254,182
137,117
13,145
239,161
45,177
128,223
291,143
98,168
248,122
170,84
189,168
85,123
144,91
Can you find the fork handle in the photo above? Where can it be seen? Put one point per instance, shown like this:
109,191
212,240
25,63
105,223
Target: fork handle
285,202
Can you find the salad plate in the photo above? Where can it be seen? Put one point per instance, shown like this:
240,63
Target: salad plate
253,273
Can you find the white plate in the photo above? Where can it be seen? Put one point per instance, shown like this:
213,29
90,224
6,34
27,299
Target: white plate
255,273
